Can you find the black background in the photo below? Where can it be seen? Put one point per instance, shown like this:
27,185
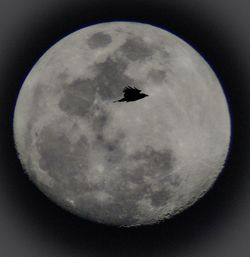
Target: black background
218,224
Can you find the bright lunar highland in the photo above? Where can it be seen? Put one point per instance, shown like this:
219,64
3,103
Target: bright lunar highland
119,163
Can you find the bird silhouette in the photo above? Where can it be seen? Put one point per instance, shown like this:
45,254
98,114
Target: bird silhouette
131,94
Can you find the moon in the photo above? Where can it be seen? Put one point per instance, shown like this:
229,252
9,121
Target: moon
122,164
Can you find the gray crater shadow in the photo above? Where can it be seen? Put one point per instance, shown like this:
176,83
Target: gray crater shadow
70,232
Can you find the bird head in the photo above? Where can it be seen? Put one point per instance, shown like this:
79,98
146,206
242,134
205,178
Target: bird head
143,95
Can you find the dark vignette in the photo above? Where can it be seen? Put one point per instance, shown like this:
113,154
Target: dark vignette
71,232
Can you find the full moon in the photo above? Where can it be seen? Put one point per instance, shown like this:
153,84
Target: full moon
122,163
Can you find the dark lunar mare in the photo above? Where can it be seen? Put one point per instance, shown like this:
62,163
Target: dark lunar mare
62,161
110,79
99,40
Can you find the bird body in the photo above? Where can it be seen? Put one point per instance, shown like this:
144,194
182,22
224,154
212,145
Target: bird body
131,94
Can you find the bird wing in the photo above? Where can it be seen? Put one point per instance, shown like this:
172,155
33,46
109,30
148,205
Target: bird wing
128,91
137,90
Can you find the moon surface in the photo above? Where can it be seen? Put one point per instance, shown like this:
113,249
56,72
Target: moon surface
123,164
